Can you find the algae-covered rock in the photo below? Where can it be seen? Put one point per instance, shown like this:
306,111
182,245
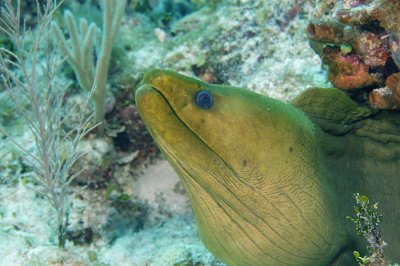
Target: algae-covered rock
358,13
387,97
95,166
369,30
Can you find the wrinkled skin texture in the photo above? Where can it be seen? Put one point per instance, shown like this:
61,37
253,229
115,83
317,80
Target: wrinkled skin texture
256,172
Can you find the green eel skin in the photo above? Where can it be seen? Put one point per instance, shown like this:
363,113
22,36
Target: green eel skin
271,183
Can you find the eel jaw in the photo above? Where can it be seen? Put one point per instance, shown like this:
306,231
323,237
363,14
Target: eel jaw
174,138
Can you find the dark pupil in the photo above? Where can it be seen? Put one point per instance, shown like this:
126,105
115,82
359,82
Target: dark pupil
204,99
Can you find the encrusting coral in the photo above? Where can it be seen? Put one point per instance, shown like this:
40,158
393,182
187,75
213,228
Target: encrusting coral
360,49
387,97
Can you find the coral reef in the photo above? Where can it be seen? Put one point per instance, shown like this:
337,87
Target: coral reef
360,49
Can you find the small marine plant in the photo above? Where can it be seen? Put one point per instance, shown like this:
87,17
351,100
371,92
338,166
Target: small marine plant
29,73
368,222
88,51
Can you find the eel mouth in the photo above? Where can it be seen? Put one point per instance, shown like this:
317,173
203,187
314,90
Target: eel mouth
179,143
181,146
165,125
156,110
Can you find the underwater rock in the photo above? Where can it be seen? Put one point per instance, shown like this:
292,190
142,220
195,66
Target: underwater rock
347,72
362,12
321,33
127,214
99,154
380,98
164,12
133,136
387,97
394,48
81,237
360,49
372,48
160,34
75,107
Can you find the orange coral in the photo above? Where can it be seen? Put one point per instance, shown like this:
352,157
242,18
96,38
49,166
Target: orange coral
389,96
372,48
361,48
347,72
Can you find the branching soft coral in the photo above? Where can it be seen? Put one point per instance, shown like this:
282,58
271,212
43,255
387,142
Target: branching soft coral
79,53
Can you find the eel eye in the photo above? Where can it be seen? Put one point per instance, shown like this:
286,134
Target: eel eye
204,99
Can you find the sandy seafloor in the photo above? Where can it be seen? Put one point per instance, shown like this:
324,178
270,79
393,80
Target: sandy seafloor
260,45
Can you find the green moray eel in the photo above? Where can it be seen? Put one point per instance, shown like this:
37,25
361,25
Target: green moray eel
271,183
